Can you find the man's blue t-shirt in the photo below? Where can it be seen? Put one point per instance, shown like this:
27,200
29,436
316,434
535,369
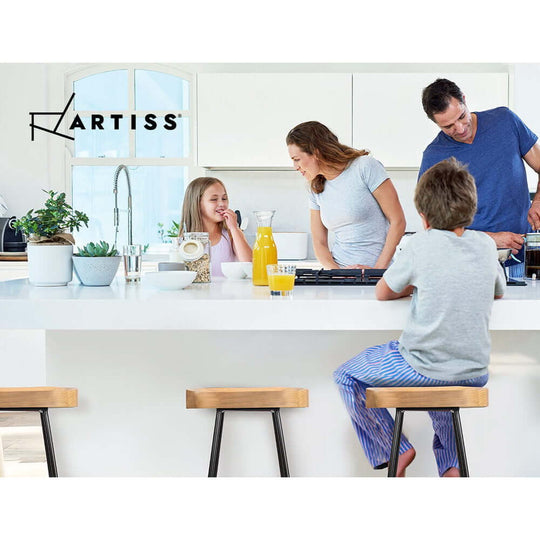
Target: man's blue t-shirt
495,160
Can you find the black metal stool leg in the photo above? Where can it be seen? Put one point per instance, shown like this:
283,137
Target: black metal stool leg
47,439
460,444
396,438
280,443
216,443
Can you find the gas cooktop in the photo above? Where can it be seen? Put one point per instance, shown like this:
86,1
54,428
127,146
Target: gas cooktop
341,276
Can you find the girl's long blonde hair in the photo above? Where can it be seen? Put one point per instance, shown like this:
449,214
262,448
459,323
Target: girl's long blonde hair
316,139
191,220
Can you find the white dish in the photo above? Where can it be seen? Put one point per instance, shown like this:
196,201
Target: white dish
169,281
234,270
291,245
248,269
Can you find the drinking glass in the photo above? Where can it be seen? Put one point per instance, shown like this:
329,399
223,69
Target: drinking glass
132,263
281,279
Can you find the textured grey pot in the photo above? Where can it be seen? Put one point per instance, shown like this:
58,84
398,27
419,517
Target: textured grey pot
96,271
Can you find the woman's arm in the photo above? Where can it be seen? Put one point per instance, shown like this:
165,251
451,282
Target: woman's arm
388,200
239,243
319,235
384,292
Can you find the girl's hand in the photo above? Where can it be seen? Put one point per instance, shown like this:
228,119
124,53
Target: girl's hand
358,266
230,219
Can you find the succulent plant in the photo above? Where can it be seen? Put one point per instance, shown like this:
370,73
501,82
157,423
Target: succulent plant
101,249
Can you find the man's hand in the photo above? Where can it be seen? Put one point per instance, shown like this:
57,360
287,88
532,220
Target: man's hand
507,240
533,217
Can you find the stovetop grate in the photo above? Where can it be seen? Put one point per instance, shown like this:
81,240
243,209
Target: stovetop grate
342,276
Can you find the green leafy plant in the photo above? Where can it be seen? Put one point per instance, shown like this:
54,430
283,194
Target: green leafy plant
56,217
172,232
101,249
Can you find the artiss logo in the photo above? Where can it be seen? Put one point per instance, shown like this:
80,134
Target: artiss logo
95,121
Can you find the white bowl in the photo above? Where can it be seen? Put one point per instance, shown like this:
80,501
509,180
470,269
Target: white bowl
169,281
233,270
248,269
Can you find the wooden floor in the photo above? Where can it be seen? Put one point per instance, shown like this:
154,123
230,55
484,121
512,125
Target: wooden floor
22,443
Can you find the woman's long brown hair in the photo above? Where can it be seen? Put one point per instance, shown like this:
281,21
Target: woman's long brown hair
316,139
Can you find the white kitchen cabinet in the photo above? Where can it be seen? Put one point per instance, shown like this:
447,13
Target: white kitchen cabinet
243,118
388,117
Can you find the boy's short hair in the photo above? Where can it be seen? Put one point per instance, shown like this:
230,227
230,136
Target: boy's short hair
446,195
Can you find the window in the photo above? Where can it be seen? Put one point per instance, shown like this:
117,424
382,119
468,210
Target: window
147,127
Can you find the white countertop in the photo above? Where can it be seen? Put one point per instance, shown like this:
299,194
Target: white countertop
228,305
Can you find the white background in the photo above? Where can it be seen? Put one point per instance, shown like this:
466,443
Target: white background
301,31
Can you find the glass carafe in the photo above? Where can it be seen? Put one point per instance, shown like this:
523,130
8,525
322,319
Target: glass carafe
264,249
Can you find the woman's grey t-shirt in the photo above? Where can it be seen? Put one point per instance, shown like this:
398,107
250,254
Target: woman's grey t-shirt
349,210
446,336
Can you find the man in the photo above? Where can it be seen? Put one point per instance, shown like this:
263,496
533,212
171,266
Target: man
493,144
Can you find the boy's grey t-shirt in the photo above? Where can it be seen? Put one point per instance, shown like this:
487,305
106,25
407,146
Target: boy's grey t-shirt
350,211
446,336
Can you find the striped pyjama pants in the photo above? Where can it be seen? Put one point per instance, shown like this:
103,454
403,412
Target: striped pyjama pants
383,365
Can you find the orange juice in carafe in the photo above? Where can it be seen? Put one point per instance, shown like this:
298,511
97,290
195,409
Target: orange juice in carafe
264,249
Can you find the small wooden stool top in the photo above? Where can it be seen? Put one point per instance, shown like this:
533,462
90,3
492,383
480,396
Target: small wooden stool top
426,397
37,397
246,398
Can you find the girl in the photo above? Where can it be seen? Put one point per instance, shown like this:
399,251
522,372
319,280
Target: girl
206,209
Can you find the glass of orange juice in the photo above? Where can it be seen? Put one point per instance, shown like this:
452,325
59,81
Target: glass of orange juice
281,279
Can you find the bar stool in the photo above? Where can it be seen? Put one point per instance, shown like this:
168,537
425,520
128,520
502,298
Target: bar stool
434,398
39,399
247,399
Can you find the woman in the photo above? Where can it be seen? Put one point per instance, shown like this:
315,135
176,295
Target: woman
351,196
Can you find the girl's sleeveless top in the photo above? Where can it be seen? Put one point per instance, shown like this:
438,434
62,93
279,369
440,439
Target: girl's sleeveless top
221,252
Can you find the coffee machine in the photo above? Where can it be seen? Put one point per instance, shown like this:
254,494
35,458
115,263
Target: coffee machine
11,240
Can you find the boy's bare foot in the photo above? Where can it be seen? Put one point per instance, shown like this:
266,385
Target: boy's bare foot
452,472
404,461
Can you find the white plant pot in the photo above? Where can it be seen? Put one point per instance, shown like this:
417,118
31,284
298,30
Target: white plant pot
49,266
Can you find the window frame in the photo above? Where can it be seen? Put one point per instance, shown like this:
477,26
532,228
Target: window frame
69,149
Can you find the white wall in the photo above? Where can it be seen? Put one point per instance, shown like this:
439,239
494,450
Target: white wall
525,104
23,164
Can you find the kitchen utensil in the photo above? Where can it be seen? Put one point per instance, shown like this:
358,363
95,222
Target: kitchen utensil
170,266
532,254
291,245
264,249
170,280
233,270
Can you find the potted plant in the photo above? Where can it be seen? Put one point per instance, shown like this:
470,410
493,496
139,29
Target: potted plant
169,238
50,242
96,265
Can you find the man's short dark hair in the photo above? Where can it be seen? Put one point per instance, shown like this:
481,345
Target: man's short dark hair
436,97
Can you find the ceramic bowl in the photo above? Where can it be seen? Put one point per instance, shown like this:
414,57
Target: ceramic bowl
169,281
233,270
248,269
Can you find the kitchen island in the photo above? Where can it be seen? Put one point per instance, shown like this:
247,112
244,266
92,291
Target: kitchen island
132,351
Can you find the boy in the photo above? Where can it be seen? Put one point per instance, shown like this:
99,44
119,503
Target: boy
454,275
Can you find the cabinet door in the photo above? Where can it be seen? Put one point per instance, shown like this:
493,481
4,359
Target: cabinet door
243,118
388,117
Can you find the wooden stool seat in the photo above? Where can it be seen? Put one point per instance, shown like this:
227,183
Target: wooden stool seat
39,399
427,397
246,398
